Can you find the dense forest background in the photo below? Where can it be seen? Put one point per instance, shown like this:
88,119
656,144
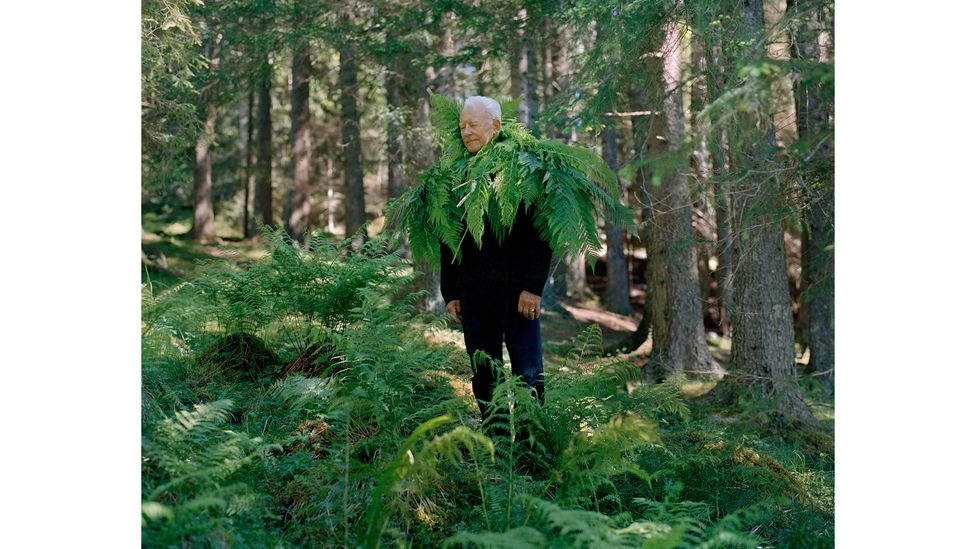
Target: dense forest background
692,366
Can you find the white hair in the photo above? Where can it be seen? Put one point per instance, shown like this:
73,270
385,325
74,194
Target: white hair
494,109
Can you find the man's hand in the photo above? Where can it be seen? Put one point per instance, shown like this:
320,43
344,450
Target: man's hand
454,307
530,305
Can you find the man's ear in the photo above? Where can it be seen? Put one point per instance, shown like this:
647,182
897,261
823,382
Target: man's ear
496,123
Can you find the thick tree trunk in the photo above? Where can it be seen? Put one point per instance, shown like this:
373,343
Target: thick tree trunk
676,310
301,153
262,182
762,345
763,356
351,145
618,278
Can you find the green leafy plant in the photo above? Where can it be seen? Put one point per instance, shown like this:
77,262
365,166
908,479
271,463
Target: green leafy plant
563,183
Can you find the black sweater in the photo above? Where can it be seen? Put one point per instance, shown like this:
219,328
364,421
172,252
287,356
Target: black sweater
520,262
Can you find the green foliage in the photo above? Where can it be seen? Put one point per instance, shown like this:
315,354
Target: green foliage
409,471
192,477
169,113
464,193
381,451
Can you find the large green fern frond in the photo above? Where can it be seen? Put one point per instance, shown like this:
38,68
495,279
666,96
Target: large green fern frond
568,188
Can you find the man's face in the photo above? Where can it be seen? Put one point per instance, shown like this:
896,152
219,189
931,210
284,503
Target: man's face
477,127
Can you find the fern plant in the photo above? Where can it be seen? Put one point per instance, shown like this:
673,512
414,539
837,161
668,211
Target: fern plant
189,468
464,193
419,466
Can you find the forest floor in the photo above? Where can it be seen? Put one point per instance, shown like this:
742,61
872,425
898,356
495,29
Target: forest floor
806,459
169,257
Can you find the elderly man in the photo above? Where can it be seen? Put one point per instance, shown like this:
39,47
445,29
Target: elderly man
495,291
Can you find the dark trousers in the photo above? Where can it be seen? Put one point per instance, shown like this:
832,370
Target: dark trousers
487,320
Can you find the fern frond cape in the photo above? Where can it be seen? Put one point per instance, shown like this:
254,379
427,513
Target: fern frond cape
570,187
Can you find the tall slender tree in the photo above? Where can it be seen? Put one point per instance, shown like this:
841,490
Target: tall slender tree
203,210
262,180
618,278
677,330
351,140
812,45
299,206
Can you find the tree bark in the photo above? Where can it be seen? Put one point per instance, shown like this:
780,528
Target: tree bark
778,48
724,240
247,138
704,217
301,153
262,182
532,70
396,180
351,144
517,65
719,153
763,355
813,114
676,310
203,211
639,101
618,278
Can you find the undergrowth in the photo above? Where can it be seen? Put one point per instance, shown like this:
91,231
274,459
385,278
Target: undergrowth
343,430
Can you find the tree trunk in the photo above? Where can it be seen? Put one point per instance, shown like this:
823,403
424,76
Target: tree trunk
532,71
618,279
676,311
813,112
704,218
262,182
301,137
203,211
639,101
351,145
396,179
763,355
719,153
778,48
516,62
517,65
247,175
724,241
762,346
